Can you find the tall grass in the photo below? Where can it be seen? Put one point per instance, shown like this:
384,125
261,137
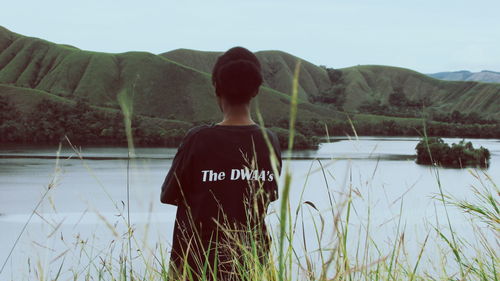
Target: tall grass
346,255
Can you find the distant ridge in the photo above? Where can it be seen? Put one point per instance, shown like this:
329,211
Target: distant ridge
465,75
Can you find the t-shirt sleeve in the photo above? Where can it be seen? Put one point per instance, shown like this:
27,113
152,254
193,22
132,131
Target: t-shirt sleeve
175,183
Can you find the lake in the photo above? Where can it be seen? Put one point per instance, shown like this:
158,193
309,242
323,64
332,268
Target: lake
87,200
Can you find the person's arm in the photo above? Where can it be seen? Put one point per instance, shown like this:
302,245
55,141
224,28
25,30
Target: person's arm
173,189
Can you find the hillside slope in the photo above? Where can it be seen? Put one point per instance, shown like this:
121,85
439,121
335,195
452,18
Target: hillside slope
377,82
362,83
176,86
277,68
160,87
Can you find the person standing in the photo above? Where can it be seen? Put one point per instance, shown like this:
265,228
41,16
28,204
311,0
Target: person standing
223,178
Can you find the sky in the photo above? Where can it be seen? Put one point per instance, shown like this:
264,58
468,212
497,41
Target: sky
426,36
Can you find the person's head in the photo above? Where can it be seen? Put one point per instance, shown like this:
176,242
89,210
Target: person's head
237,76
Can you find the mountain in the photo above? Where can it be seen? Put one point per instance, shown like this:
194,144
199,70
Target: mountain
447,96
174,88
464,75
277,67
361,83
161,87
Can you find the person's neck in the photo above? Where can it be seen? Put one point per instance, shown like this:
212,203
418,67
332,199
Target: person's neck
233,122
237,116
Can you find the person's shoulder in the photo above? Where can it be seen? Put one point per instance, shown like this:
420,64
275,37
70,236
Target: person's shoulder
192,133
196,130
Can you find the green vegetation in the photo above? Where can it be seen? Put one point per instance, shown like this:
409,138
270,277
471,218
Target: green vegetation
334,95
456,117
173,91
292,258
398,105
51,122
372,83
436,151
49,119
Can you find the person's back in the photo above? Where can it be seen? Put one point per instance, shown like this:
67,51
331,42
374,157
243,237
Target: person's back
222,178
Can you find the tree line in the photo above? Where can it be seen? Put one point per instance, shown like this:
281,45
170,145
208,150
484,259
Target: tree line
50,122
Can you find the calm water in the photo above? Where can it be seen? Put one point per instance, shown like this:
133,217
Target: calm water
87,197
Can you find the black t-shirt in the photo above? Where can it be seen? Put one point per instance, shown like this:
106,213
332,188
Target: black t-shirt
218,174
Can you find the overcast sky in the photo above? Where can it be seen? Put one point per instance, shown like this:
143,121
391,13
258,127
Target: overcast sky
427,36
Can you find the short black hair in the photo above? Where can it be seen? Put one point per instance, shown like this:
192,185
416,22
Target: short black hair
237,75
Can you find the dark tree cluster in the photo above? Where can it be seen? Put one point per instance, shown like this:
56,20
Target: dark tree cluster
300,141
335,127
10,129
334,95
51,122
374,107
334,75
434,150
398,105
309,132
398,98
461,118
463,130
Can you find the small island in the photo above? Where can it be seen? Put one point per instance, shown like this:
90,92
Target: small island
433,150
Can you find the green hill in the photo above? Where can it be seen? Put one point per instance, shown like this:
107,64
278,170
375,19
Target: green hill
175,87
277,67
377,82
363,83
162,87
